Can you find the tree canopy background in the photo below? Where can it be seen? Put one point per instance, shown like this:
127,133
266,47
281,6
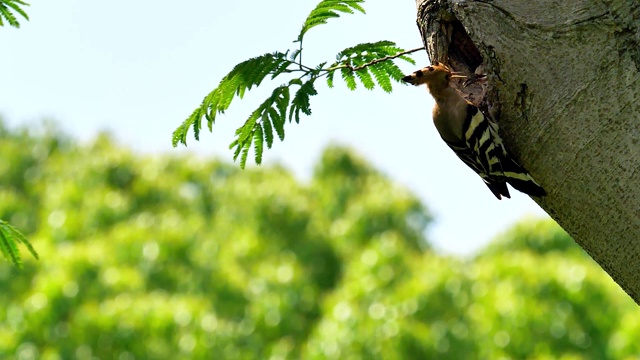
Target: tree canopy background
159,256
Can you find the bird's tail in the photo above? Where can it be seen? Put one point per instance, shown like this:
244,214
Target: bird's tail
498,188
520,179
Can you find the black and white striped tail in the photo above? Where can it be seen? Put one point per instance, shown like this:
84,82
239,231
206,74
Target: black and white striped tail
520,179
484,152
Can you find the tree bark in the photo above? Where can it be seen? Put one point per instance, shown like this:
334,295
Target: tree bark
564,86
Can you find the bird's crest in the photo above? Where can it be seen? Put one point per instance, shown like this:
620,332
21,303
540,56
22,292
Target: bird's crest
432,73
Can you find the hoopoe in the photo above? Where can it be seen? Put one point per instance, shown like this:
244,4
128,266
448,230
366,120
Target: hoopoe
472,135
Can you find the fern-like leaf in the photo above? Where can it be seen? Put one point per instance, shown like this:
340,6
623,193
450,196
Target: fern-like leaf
270,114
278,125
377,47
329,9
180,134
282,102
6,8
9,248
301,102
22,239
245,153
242,77
8,16
347,76
330,75
247,129
9,238
407,59
381,77
365,78
258,142
366,59
393,71
371,51
294,55
14,5
368,63
268,131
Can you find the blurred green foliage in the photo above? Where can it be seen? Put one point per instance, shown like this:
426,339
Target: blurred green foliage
165,257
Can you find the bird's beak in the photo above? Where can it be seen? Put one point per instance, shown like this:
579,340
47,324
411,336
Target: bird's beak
457,75
408,79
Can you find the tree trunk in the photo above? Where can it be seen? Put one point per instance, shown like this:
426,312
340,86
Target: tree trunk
564,85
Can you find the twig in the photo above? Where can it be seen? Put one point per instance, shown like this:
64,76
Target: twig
302,67
388,57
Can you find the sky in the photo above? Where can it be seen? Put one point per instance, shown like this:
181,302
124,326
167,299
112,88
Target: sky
138,68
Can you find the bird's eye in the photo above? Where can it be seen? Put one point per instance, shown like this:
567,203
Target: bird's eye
419,73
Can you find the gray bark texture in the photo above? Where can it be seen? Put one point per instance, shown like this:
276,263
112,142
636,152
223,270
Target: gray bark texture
564,86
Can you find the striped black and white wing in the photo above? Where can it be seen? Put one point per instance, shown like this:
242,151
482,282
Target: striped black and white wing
516,175
497,186
486,155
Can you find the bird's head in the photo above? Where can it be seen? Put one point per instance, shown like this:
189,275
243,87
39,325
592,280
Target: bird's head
433,74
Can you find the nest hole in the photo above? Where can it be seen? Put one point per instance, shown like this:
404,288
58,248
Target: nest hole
463,53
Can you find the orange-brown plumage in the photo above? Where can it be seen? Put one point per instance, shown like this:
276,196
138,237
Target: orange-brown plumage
472,135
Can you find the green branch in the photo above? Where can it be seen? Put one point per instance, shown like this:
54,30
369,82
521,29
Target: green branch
376,61
7,7
369,64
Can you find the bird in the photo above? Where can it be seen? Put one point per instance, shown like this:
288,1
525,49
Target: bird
472,134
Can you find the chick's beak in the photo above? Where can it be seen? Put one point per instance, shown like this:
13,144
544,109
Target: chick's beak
474,78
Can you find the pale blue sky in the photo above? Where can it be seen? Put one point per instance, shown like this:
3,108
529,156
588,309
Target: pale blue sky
139,68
